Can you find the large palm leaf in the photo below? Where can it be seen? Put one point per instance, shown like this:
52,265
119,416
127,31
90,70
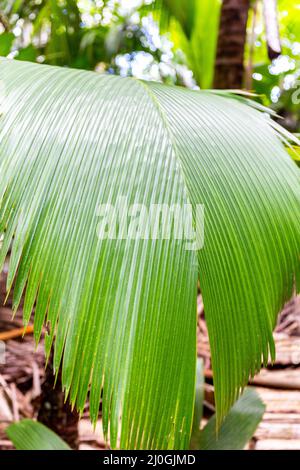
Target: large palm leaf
123,312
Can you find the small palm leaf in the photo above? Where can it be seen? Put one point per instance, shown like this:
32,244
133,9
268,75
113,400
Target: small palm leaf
31,435
198,409
123,312
238,427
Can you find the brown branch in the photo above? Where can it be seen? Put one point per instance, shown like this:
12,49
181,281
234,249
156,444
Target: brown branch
15,333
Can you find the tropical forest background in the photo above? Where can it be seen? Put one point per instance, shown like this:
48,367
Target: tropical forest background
254,45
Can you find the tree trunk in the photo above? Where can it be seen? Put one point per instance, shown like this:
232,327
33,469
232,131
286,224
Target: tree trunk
56,414
229,71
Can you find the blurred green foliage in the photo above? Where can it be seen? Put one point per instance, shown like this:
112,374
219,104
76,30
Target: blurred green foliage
89,34
278,82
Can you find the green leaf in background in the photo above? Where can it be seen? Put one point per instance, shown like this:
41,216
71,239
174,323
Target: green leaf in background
193,26
198,410
122,313
183,12
201,52
6,40
16,6
199,397
238,427
31,435
294,152
294,149
28,53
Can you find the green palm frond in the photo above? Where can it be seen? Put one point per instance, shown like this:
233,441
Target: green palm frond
122,313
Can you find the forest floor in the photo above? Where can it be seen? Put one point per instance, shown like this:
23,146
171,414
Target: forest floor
22,375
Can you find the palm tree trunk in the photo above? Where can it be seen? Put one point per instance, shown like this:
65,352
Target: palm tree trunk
229,69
